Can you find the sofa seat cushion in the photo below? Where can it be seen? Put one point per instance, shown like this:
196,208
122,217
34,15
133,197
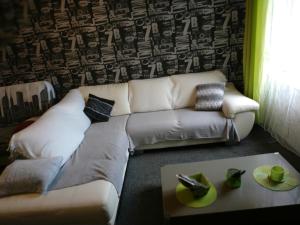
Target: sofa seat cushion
103,154
202,124
152,127
92,203
182,124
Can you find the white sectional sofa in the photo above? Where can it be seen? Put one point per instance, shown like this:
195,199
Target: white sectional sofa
159,113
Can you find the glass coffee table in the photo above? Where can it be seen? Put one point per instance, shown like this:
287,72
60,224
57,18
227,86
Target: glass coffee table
247,204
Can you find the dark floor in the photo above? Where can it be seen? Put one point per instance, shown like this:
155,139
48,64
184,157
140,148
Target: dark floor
141,202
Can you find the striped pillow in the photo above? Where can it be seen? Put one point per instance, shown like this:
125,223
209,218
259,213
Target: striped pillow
98,109
210,96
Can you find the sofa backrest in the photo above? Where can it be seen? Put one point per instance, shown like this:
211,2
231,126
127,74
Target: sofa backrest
184,90
165,93
116,92
150,94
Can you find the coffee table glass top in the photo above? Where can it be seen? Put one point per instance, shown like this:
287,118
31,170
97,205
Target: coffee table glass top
249,196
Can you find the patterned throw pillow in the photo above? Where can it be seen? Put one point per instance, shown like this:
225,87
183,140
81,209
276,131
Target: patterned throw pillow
98,109
210,96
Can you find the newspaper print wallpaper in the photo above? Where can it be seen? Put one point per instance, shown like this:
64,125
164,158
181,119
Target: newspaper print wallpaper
73,43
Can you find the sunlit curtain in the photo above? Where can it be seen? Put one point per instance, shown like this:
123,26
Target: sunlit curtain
280,87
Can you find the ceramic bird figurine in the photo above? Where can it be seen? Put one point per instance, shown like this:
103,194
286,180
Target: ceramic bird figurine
198,189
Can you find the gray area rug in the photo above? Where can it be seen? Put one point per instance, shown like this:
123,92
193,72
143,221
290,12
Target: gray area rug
141,202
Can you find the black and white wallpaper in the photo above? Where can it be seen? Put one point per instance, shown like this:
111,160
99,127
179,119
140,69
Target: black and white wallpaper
73,43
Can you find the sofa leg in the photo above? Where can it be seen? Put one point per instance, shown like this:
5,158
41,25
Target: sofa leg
136,152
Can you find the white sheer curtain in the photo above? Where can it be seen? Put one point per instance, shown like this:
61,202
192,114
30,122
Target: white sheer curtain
280,93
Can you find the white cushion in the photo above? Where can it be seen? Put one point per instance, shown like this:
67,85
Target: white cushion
184,91
116,92
56,133
150,94
72,102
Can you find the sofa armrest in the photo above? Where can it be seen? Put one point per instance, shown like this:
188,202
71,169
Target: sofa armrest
234,102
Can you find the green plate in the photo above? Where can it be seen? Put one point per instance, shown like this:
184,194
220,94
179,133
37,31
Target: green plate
186,197
261,175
